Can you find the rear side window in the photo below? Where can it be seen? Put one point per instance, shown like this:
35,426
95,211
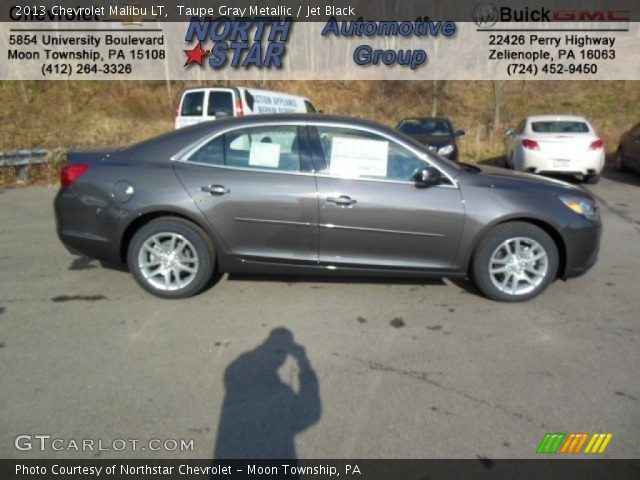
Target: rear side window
220,103
559,127
192,104
262,148
309,106
212,153
271,148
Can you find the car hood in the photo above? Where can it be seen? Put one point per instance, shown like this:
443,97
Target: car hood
503,178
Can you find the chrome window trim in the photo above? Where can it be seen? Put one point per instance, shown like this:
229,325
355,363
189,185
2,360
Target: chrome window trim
184,154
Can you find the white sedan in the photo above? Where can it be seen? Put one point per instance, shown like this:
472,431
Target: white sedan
555,144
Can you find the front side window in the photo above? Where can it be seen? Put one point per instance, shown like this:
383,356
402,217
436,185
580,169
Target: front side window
353,153
192,104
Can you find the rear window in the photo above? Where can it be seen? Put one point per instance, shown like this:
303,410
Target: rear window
559,127
220,103
192,104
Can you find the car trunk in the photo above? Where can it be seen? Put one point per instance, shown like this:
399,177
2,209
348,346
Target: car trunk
564,147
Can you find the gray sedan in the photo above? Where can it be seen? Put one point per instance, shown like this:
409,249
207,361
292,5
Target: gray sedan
318,194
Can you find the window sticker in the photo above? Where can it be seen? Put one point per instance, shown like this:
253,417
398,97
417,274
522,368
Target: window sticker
264,155
355,157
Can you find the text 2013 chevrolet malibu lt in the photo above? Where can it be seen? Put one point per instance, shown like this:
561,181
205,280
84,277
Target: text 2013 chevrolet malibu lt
317,194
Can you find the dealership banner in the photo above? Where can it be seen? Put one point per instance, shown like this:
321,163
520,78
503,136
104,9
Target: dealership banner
298,40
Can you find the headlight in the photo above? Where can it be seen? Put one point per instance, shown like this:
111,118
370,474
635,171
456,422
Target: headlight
582,206
446,150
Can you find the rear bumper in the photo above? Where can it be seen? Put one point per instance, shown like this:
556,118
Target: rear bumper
583,245
75,218
591,163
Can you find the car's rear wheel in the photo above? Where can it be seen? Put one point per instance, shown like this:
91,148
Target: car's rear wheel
515,262
592,179
171,258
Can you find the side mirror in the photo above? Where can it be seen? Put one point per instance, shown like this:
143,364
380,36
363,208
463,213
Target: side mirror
428,177
510,132
460,133
220,113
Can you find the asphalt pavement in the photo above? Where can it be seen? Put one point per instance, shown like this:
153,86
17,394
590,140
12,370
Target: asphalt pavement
376,369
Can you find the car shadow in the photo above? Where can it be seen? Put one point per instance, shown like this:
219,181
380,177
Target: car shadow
628,177
261,414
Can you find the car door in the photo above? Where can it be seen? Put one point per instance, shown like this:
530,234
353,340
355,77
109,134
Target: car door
256,188
371,212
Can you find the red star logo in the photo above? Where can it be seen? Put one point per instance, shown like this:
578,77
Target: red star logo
195,55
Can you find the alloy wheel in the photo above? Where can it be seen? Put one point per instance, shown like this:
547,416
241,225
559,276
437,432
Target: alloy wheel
518,266
168,261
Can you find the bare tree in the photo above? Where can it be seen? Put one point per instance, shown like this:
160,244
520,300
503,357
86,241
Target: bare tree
439,93
498,94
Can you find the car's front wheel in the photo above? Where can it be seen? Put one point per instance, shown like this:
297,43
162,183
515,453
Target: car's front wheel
514,262
171,258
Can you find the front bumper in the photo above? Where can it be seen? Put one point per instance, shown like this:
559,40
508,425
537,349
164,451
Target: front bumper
582,239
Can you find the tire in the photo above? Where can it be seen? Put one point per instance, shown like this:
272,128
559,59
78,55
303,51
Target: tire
189,269
491,250
618,161
591,179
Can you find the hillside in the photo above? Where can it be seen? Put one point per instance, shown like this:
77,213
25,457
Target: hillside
77,114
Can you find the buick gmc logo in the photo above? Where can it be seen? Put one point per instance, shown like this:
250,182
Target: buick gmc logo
486,15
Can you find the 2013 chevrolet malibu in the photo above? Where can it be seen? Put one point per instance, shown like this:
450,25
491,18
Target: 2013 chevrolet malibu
311,194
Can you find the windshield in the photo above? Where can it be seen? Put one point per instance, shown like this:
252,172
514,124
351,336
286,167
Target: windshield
560,127
436,127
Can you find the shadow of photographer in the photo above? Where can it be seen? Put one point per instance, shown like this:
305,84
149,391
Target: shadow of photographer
261,415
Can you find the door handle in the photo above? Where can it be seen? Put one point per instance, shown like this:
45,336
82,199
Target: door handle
215,189
343,200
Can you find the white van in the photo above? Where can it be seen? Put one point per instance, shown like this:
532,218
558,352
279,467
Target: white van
205,104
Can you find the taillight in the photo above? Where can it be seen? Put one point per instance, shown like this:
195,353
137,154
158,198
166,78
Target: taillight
178,110
70,173
530,144
239,111
596,145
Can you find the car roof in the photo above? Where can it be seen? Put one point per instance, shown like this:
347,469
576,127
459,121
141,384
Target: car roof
409,119
556,118
318,118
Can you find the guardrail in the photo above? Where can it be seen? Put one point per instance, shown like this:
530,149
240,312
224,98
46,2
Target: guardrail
22,159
